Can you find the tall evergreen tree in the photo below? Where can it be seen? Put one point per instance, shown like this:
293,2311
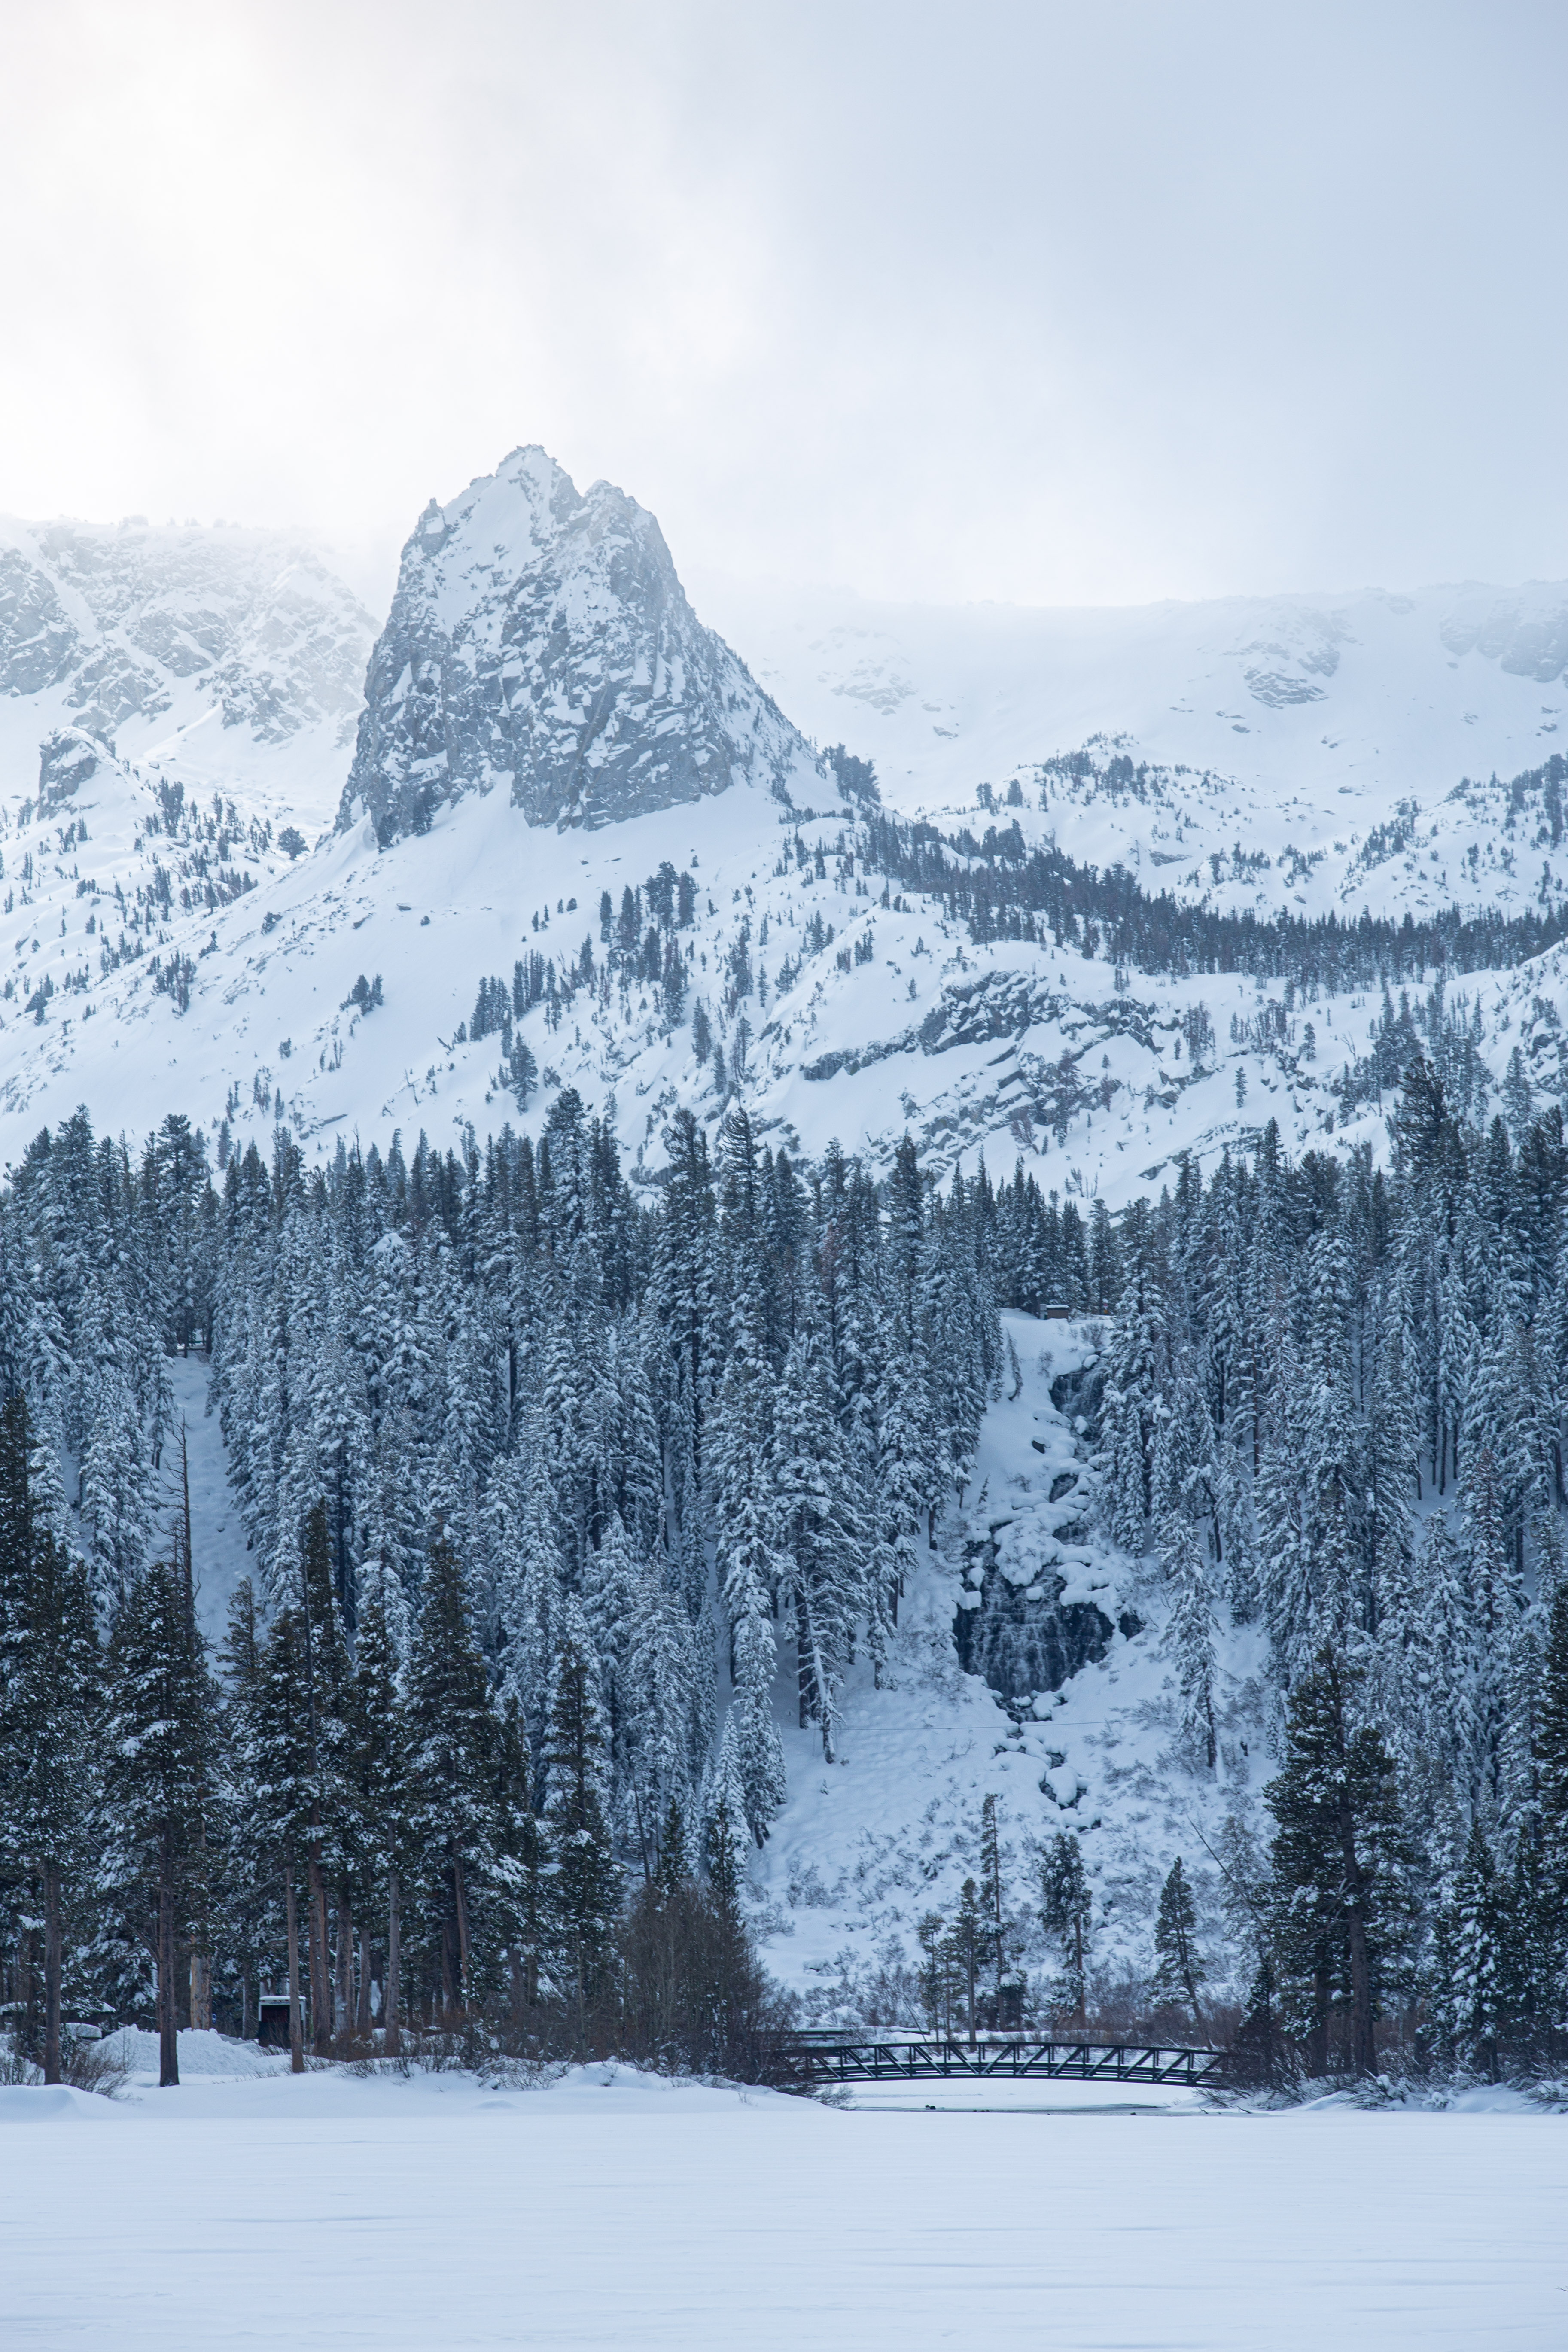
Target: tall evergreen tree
383,1799
456,1826
1066,1909
50,1698
280,1783
1190,1638
585,1888
160,1775
1180,1969
1340,1858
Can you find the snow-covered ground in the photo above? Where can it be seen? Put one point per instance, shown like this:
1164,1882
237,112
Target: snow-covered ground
614,2210
217,1535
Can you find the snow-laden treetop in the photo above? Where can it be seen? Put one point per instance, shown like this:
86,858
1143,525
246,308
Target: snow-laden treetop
539,638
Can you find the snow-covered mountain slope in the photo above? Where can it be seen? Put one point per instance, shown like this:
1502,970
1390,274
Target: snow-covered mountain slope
861,1020
541,640
231,660
868,1845
159,950
235,1010
99,863
1314,747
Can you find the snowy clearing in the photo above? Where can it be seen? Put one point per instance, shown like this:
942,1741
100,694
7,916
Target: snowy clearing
612,2210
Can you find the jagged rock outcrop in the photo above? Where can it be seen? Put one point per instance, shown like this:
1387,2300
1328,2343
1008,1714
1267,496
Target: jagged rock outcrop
66,760
540,640
116,620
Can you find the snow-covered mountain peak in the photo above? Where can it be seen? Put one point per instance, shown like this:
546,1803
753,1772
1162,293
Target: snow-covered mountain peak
541,638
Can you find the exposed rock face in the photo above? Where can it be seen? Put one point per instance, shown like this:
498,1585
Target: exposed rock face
1525,633
541,640
121,616
37,642
1023,1643
66,760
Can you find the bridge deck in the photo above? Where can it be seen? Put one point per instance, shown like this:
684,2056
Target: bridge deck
812,2058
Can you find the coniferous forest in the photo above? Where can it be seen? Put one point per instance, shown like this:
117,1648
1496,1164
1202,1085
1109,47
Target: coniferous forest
549,1492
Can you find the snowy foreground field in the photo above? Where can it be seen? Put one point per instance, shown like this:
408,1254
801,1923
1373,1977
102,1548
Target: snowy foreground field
612,2210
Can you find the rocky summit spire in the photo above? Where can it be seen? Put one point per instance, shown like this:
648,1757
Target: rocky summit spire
539,639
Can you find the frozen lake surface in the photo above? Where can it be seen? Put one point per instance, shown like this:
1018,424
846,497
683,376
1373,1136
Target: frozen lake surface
612,2211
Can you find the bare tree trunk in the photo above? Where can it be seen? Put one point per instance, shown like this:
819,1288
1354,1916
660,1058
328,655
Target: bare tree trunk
345,1964
320,1986
51,1972
462,1926
449,1972
168,2030
392,1999
1362,2059
201,1991
1362,2054
1317,2040
362,2015
188,1563
296,2023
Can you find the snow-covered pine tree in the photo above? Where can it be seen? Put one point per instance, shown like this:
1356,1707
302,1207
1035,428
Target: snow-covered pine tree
454,1825
584,1886
1180,1968
247,1911
1390,1480
902,1485
116,1471
277,1782
744,1514
382,1796
1234,1533
1136,1376
1190,1638
1552,1737
1181,1475
1341,1862
326,1661
1469,1949
1286,1570
816,1529
160,1779
1066,1912
530,1577
50,1706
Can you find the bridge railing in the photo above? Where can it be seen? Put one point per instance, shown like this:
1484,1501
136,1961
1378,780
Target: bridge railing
825,2054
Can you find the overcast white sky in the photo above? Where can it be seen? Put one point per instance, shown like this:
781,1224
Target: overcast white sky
1051,304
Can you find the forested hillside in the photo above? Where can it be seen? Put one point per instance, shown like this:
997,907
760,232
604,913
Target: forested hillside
560,1503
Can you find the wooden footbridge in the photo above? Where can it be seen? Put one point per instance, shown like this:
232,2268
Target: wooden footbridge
811,2061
